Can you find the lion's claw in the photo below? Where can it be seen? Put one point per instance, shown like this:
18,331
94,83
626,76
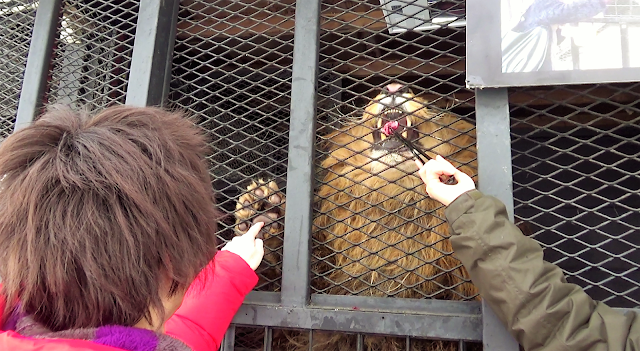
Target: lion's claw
263,202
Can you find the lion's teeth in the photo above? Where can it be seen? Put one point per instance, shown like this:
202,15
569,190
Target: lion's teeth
409,121
379,122
391,111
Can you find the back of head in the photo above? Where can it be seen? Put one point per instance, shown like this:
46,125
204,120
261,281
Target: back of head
98,212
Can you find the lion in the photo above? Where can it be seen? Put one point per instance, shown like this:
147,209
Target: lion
376,232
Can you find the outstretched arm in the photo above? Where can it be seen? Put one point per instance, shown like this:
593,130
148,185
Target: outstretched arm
217,293
530,296
211,302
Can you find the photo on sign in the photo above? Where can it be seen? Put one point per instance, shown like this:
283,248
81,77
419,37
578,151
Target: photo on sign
564,35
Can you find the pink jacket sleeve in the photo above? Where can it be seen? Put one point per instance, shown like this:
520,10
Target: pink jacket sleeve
212,301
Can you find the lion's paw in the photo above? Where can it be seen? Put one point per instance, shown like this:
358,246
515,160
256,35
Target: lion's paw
262,202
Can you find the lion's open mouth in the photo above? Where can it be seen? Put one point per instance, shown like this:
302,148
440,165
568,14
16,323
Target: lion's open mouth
406,127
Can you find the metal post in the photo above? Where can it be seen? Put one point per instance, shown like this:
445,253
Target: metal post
298,220
229,340
152,53
38,62
625,45
494,178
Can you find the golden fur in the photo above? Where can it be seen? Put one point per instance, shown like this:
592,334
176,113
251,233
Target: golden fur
375,225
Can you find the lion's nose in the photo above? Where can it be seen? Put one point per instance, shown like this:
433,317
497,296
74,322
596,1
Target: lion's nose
392,144
394,88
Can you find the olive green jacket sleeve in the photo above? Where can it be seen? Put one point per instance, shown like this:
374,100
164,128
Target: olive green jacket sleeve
530,296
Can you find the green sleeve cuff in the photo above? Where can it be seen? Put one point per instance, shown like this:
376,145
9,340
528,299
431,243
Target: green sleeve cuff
461,205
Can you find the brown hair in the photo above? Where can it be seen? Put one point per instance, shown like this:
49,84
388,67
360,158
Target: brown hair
96,213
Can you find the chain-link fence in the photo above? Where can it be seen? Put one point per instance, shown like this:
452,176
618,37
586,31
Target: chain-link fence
92,53
577,183
16,24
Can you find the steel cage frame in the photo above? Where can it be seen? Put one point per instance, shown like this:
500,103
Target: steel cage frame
295,307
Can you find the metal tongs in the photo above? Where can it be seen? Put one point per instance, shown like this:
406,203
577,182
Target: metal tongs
420,155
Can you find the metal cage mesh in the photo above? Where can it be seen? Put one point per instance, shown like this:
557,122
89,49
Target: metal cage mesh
232,67
267,339
576,183
92,53
375,234
232,73
16,25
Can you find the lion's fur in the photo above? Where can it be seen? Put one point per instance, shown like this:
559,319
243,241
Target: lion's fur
377,232
378,221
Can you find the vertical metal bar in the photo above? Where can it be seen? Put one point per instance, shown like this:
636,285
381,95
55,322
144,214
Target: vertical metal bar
494,178
229,340
408,344
268,339
38,62
152,53
298,219
311,340
360,342
624,45
575,54
462,346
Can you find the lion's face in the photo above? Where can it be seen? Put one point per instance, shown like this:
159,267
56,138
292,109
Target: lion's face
415,123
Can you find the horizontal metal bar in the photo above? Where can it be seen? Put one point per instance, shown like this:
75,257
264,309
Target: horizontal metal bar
397,305
377,304
615,20
262,298
431,326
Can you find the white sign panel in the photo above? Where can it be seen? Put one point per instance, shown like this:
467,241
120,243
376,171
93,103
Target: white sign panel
545,42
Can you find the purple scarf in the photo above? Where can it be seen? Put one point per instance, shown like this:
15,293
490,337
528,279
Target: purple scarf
126,338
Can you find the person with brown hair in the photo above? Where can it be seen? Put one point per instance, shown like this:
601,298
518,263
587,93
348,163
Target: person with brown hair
108,236
541,310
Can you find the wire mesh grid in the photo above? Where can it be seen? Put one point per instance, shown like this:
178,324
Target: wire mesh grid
247,338
376,233
16,25
267,339
92,53
577,183
232,72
